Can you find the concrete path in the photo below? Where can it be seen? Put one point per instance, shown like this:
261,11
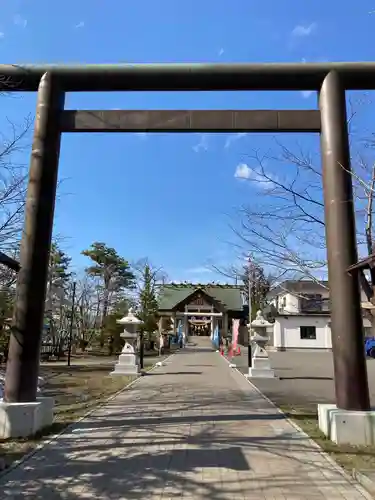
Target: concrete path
191,429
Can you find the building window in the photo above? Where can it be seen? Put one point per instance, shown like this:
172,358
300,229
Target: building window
312,302
307,332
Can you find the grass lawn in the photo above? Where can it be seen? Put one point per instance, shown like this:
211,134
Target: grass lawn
76,390
361,458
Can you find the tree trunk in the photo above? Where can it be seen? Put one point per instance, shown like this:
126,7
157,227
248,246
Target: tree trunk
104,315
141,351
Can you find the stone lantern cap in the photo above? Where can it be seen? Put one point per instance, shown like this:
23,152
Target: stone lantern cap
260,322
129,319
259,326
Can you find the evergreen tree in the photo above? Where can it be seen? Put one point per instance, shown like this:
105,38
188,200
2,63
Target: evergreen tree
114,272
254,275
57,303
148,304
58,278
59,266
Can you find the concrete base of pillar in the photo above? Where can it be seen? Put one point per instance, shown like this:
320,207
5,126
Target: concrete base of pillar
259,373
346,426
18,420
261,368
127,365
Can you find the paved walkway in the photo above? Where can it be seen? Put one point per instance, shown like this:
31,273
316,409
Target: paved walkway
192,429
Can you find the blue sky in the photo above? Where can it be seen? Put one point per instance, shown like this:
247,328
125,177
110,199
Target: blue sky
169,197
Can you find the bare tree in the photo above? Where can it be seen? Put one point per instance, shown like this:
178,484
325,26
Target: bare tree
157,274
283,227
14,139
13,176
88,310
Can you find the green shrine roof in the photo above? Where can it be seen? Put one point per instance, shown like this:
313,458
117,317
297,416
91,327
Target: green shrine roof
229,295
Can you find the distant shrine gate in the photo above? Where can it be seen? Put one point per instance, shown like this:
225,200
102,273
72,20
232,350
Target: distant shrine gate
201,308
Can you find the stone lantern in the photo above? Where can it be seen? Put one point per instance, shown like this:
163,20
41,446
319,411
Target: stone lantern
128,360
261,367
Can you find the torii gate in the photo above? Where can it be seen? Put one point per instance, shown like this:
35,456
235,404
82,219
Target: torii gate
331,80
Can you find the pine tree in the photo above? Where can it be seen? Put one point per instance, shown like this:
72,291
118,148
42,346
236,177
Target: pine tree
114,272
59,277
59,266
259,286
148,304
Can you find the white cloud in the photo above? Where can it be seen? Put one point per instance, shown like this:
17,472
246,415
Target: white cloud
81,24
234,138
301,30
20,21
202,145
243,171
220,52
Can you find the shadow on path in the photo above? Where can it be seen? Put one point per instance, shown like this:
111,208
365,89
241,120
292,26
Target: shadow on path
211,436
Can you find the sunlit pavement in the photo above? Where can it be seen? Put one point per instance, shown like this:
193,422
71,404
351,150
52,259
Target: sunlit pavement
193,428
305,377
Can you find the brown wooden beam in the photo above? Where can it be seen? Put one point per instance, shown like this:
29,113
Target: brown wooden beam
187,77
191,121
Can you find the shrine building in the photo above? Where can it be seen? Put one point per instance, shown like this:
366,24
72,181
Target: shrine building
201,308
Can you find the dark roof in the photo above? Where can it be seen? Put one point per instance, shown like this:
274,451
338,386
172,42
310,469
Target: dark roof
296,286
366,263
229,295
9,262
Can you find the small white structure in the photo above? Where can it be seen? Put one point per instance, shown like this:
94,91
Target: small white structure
352,427
19,420
128,360
261,366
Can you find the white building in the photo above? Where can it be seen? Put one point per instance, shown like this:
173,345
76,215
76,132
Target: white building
301,310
